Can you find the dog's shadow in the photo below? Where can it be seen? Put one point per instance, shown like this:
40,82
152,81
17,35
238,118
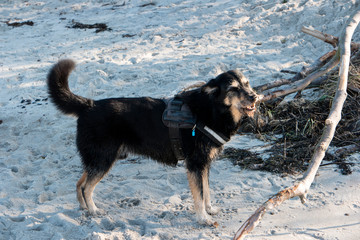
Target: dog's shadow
146,197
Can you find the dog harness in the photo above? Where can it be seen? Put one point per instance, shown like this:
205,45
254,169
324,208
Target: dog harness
178,115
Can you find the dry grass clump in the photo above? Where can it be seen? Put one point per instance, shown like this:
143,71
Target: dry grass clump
300,124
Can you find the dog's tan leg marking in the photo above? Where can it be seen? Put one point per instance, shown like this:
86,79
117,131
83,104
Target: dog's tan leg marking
206,192
88,193
79,189
199,204
213,153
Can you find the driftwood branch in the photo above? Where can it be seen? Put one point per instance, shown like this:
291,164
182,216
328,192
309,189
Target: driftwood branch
302,84
313,74
327,38
305,71
322,36
301,188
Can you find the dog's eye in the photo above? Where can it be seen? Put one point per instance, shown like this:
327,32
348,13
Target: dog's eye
233,89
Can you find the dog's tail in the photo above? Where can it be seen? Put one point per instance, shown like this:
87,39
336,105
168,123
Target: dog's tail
59,91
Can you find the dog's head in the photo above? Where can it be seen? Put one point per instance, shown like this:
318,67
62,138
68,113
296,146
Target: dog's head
233,91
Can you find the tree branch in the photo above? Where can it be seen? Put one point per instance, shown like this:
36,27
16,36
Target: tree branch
305,71
301,189
322,36
302,84
327,37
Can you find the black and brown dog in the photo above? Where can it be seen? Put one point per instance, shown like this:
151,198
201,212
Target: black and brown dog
109,129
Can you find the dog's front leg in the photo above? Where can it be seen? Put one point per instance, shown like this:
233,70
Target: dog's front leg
80,190
197,187
206,190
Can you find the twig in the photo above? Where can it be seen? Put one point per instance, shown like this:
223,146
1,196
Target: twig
274,84
301,188
285,148
346,150
288,71
332,163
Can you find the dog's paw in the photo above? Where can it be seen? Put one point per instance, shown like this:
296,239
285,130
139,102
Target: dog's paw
101,212
83,207
96,212
212,210
205,220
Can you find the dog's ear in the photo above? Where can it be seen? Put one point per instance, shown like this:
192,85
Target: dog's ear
211,88
237,74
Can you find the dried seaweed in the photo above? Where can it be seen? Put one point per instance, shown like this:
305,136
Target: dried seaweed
100,27
19,24
300,124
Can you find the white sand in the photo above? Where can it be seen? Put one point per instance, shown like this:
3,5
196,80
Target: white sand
174,44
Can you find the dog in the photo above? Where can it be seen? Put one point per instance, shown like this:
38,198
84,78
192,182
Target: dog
109,129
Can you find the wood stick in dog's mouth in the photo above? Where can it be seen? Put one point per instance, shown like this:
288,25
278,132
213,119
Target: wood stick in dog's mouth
250,109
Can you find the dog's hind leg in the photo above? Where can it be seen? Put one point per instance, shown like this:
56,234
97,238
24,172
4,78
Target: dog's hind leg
79,190
97,161
196,187
206,192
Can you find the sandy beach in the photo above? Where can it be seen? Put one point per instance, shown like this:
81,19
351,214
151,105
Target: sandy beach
155,48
